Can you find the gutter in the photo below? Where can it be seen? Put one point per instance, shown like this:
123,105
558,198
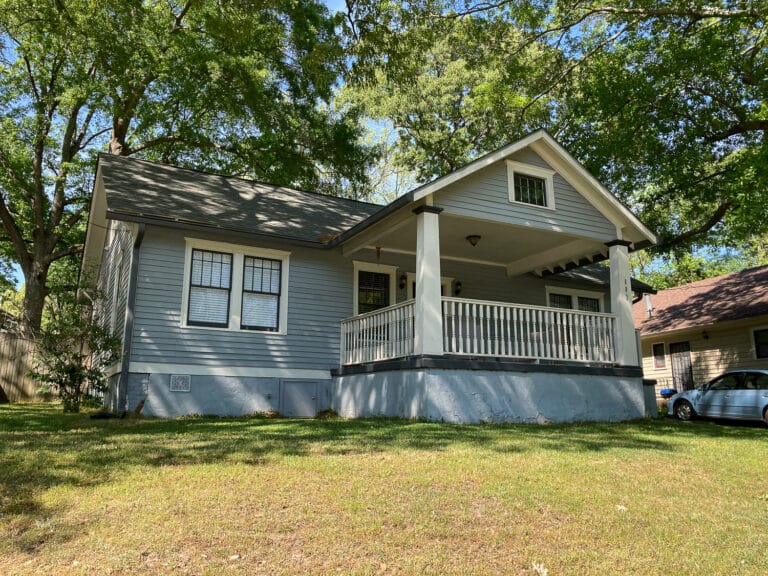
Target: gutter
122,387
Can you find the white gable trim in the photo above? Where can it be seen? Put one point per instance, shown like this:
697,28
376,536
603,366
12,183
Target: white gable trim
566,165
475,166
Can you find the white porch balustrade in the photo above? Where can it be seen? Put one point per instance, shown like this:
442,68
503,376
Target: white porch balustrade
378,335
479,328
482,328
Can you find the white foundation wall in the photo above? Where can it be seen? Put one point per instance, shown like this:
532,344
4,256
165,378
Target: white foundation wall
468,396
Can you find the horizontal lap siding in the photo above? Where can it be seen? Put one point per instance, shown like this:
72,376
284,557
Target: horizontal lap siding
479,281
319,296
485,195
725,348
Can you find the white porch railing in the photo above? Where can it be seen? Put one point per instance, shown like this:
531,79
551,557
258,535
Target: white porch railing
378,335
480,328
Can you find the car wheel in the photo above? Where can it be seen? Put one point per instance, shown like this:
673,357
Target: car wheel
684,411
765,415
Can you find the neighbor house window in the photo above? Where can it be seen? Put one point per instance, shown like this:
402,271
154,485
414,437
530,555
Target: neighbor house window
374,286
761,343
659,358
235,287
529,184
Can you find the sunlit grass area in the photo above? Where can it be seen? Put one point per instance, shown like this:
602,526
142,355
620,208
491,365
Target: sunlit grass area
273,496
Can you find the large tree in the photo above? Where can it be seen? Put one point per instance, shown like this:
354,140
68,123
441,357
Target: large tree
664,101
453,91
238,87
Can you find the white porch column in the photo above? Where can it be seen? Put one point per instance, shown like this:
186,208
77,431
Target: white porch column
428,331
621,304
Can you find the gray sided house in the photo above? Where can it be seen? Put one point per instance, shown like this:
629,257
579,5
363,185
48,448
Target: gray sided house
473,298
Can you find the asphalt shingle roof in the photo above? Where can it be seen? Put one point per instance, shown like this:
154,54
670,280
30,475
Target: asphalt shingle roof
598,275
141,190
725,298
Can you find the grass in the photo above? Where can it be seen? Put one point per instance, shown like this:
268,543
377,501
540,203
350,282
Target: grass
271,496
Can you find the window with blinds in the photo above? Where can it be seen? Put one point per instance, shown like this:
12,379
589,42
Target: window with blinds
372,291
235,287
261,294
209,288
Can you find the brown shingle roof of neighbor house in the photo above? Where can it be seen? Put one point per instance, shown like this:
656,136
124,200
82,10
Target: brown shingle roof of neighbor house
138,190
725,298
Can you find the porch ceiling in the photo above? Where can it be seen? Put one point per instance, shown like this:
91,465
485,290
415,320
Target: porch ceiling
519,249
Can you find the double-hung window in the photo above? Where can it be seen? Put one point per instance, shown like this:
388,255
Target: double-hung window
261,294
210,284
235,287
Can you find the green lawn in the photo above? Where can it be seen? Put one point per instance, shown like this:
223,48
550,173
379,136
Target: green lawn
273,496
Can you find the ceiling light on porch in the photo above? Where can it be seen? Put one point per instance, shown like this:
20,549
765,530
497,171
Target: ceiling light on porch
474,239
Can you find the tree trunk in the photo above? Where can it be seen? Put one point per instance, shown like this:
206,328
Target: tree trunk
35,291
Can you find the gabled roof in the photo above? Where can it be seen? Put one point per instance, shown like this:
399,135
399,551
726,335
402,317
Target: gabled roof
725,298
142,191
557,157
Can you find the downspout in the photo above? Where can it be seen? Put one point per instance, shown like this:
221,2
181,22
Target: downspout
122,399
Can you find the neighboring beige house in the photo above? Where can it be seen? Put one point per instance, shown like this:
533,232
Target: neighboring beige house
692,333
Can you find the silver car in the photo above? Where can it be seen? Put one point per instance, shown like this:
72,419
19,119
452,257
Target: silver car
738,394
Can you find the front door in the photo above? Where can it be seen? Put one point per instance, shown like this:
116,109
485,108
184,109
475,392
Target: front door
682,372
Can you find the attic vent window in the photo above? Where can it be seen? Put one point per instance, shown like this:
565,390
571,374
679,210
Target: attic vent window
531,185
530,190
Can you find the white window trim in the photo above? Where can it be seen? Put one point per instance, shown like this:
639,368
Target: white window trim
537,172
653,356
445,282
752,342
573,292
371,267
238,252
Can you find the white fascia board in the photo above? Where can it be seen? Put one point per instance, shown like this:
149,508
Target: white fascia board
96,231
479,164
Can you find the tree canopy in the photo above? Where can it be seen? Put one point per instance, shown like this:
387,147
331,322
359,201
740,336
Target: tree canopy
237,87
665,102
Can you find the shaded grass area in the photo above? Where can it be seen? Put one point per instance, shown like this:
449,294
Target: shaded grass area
275,496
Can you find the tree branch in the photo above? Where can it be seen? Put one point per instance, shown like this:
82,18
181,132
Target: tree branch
739,128
68,251
713,220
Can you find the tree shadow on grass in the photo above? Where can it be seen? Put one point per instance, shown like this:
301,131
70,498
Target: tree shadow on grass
42,448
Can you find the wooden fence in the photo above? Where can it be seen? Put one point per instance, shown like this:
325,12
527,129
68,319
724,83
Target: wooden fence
15,361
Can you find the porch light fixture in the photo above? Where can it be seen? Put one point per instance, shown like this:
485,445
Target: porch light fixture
474,239
457,288
403,281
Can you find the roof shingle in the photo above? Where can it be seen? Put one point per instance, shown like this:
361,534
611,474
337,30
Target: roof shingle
725,298
140,190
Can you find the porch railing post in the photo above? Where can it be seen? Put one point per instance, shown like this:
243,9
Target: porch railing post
621,304
428,336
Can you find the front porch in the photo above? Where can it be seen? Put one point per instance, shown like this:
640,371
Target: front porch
478,328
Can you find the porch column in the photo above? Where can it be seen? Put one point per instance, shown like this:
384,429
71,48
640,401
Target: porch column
621,303
428,330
